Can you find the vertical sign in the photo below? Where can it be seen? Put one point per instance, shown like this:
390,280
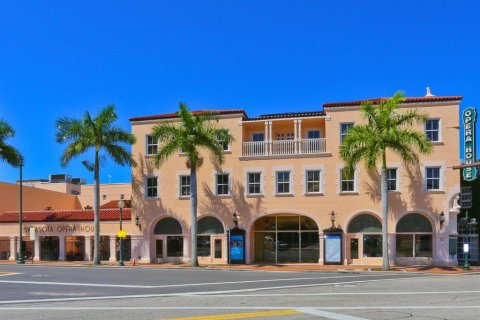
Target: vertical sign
469,117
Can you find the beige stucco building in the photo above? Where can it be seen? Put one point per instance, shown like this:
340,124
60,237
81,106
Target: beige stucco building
282,177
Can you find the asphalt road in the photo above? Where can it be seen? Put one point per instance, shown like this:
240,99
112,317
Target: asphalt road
58,292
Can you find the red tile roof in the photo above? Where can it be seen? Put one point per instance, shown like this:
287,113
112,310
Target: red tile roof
114,204
197,112
407,100
288,115
64,215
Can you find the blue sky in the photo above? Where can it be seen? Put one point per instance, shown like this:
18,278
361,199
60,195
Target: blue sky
62,59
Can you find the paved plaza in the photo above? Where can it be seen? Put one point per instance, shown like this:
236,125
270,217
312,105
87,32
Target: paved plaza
61,292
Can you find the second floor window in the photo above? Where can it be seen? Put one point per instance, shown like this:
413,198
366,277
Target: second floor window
223,184
432,177
152,145
254,183
344,127
392,179
283,182
284,136
347,181
432,129
184,186
152,187
313,181
258,136
223,142
313,134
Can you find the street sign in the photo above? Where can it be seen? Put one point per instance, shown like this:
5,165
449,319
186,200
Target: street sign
469,118
122,234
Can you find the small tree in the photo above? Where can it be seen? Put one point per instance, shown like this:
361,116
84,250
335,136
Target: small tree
8,153
385,129
191,134
97,134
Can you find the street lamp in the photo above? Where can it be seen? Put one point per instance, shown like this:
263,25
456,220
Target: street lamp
469,226
332,218
441,219
121,204
235,219
21,259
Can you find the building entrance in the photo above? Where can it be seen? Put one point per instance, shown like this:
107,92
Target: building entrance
285,239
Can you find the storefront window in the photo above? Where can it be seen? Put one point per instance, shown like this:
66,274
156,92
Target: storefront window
4,248
74,248
414,236
175,246
49,248
203,246
372,245
370,228
208,227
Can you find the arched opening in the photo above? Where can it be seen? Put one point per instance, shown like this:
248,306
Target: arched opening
209,231
285,238
365,237
414,236
168,238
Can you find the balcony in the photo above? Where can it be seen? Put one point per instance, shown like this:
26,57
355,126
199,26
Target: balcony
284,148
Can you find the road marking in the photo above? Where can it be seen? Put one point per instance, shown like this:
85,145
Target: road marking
342,294
241,315
174,285
328,315
3,274
195,293
406,307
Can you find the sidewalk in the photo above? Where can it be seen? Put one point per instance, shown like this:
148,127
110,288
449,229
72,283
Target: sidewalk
268,267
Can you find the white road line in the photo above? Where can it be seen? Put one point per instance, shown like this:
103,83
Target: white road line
343,294
353,308
171,285
202,293
328,315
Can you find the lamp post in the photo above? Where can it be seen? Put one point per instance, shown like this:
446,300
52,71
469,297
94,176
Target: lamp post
121,204
468,225
21,259
332,218
441,219
235,219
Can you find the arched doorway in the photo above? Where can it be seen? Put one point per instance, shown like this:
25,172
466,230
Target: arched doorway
414,237
365,234
209,237
168,238
285,238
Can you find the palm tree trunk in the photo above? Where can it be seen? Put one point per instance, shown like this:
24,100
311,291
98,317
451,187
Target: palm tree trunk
384,197
193,205
96,211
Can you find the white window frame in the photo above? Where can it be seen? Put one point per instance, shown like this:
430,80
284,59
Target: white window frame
260,183
282,136
319,181
217,185
396,179
289,182
257,132
440,178
181,186
223,141
314,130
354,181
439,131
147,145
342,135
147,187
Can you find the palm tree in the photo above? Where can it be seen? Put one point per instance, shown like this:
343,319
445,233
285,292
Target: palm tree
99,134
191,134
8,153
385,129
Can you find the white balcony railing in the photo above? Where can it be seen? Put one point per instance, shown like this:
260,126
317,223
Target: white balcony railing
283,147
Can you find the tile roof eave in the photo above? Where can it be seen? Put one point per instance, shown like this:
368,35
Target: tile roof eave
407,100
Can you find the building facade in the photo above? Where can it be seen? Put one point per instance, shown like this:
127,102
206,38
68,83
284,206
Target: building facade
282,177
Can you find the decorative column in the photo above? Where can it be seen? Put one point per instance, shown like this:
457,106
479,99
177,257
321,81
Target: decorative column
13,248
88,248
113,249
36,256
265,140
299,135
295,136
320,247
61,248
270,139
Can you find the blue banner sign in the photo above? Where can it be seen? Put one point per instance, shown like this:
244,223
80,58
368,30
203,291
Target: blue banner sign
469,118
237,247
